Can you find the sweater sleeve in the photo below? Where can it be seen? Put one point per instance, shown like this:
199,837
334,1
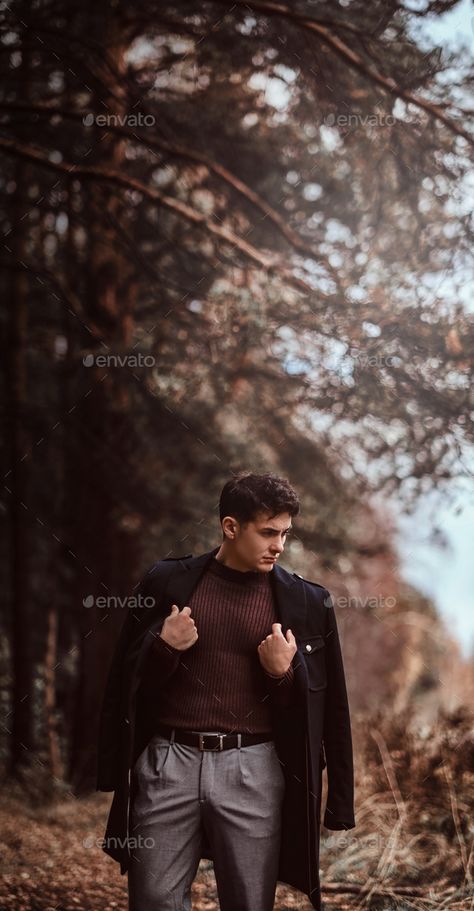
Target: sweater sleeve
280,688
162,661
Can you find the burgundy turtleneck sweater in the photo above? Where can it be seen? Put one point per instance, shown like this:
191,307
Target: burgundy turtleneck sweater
219,684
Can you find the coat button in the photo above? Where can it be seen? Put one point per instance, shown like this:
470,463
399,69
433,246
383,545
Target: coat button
308,648
127,721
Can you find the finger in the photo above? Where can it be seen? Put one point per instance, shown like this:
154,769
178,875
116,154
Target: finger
290,637
186,610
276,628
174,609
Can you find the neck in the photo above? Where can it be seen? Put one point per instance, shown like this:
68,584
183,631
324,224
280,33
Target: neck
229,559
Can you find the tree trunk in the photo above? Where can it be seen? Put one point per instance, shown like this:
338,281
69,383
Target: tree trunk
104,416
22,744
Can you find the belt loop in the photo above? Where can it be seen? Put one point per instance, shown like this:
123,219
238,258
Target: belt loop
239,740
172,736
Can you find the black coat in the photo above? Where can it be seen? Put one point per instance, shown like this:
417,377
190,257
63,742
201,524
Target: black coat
312,734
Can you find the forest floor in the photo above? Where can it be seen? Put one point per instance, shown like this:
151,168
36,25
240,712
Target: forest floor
411,850
52,860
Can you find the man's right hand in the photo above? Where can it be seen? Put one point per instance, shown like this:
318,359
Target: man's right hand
179,629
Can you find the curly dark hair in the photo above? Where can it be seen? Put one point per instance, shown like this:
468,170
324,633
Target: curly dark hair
247,494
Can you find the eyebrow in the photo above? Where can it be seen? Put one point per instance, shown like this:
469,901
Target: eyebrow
276,530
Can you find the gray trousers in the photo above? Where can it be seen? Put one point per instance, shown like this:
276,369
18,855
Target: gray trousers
235,795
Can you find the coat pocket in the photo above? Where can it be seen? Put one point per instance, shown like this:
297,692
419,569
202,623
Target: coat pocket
314,651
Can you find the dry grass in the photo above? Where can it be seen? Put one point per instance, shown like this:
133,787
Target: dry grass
412,847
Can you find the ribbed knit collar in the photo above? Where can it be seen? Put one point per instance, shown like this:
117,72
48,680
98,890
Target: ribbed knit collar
248,577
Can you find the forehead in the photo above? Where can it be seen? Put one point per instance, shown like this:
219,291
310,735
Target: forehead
280,522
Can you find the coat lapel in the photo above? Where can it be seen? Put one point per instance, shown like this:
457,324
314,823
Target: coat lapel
290,600
185,577
178,589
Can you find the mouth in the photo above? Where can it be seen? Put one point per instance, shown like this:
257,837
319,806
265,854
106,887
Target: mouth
270,559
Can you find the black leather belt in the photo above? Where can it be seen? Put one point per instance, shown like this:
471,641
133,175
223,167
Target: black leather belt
210,740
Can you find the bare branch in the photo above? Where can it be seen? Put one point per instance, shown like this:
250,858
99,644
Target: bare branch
180,151
268,262
354,60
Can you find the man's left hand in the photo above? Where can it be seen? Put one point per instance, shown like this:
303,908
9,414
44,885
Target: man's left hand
276,652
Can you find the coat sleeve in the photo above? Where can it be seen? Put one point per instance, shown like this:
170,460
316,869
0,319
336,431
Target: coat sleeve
110,720
337,737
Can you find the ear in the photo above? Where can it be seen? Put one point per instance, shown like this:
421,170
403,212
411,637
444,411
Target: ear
229,526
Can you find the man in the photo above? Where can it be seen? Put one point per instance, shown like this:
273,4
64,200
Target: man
224,702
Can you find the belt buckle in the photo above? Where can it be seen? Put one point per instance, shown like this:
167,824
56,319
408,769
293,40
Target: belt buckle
211,749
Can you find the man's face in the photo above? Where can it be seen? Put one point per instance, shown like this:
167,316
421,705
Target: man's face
258,544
